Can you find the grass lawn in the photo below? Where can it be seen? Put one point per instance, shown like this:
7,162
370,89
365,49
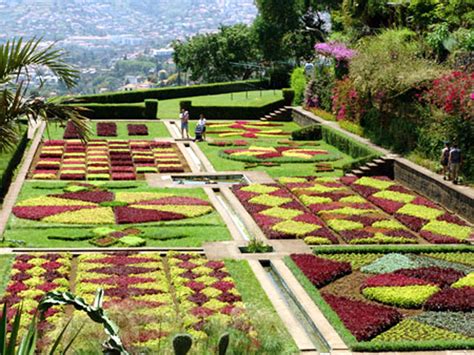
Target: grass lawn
5,263
293,169
190,232
170,108
257,301
155,130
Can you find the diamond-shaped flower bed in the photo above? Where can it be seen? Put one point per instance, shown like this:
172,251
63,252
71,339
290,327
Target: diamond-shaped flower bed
418,213
92,205
246,129
280,216
106,160
393,302
354,218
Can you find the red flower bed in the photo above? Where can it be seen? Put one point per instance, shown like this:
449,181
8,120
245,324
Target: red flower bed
88,196
124,215
137,130
36,214
107,129
363,320
452,300
320,271
394,279
70,132
435,275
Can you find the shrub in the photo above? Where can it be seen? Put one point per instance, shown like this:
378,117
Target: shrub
309,133
151,109
288,96
298,84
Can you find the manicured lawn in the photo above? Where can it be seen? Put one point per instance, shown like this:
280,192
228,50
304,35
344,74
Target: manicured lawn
170,108
392,301
155,130
159,217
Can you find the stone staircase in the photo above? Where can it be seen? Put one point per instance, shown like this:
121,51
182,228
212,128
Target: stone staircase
382,166
281,114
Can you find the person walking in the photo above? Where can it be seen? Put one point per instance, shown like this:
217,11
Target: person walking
444,160
202,123
184,117
455,161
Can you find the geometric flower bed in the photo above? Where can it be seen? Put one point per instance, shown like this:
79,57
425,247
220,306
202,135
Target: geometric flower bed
106,129
89,204
354,218
31,276
105,159
416,212
394,301
176,292
280,216
278,154
137,130
246,129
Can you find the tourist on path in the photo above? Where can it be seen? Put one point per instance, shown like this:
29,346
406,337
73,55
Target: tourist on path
202,123
444,160
455,161
184,117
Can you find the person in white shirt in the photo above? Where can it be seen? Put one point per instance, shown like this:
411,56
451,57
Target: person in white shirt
184,117
202,123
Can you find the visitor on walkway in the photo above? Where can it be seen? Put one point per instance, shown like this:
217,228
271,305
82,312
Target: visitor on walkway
184,117
202,122
444,160
455,161
198,132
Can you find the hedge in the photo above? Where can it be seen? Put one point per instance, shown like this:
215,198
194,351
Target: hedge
309,133
350,340
172,92
15,160
232,112
146,110
415,249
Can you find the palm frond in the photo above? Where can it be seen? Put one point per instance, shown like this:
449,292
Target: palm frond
17,55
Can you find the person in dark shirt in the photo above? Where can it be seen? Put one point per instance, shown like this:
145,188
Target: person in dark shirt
455,161
444,160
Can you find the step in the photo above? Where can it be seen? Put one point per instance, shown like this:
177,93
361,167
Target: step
378,161
364,168
372,165
357,172
350,175
273,114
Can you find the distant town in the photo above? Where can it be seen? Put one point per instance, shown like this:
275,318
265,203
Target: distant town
117,44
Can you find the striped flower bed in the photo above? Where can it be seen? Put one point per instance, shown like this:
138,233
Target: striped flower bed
280,215
419,214
105,160
354,218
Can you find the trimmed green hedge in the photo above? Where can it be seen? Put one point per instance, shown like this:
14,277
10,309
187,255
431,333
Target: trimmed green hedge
346,144
288,96
172,92
309,133
146,110
7,174
233,112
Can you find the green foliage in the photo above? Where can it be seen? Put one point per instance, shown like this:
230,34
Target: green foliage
310,133
257,246
151,109
458,322
288,96
134,67
139,96
352,127
319,90
347,144
357,260
298,84
235,112
459,257
390,263
404,297
218,56
97,111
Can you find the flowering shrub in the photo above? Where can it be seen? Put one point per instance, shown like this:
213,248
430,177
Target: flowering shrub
453,93
105,160
279,215
320,271
347,103
99,206
336,50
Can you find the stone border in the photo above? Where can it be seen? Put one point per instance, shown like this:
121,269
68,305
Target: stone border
459,199
16,186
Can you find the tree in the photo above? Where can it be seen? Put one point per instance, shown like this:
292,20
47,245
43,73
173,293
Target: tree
225,55
276,19
18,61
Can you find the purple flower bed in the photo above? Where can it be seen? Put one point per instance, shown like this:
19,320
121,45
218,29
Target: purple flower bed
452,300
320,271
107,129
137,130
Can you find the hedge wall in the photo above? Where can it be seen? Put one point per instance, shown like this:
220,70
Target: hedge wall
172,92
147,110
7,174
233,112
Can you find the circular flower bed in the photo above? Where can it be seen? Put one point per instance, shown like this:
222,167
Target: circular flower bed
92,205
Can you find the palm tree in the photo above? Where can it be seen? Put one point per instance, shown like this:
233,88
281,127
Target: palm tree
18,60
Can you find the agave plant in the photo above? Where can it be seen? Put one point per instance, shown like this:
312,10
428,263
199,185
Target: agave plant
18,60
